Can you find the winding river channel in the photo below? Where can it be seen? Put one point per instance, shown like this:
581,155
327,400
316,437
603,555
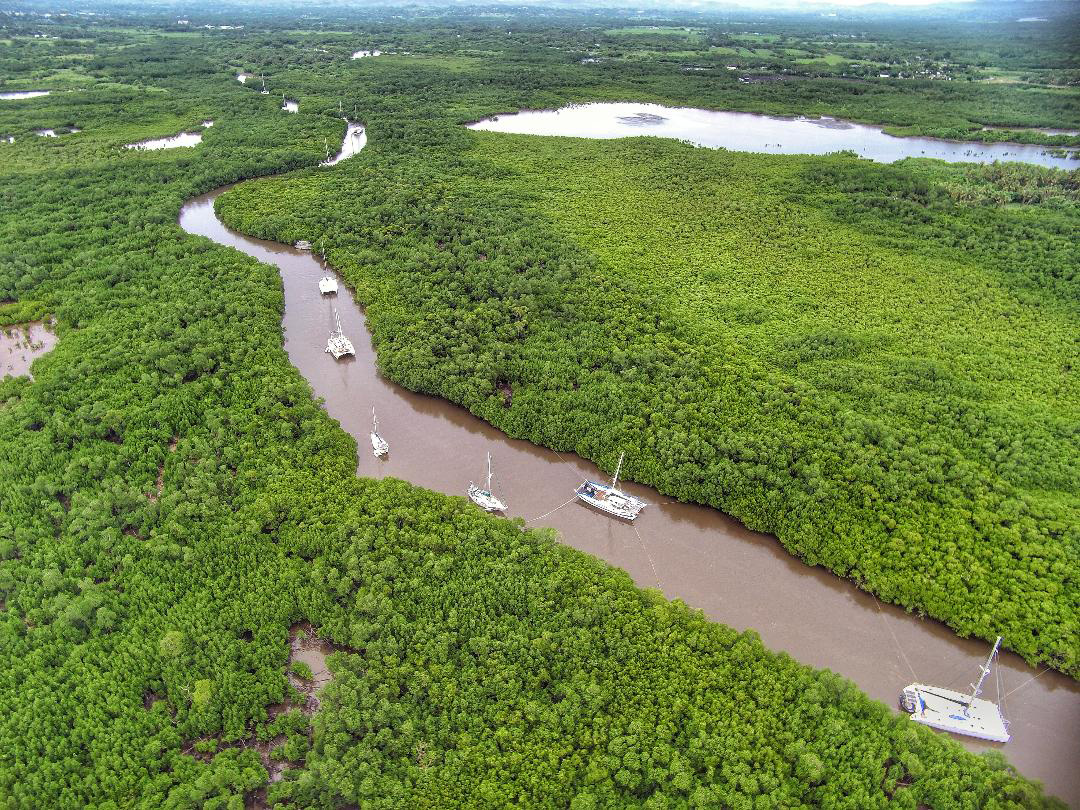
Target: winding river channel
710,561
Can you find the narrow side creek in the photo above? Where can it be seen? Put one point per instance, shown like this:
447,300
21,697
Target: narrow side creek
710,561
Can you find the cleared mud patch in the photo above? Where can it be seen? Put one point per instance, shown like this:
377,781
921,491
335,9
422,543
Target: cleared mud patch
21,345
307,649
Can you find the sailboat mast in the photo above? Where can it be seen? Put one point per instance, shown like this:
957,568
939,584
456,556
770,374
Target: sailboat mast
618,467
977,687
374,419
488,487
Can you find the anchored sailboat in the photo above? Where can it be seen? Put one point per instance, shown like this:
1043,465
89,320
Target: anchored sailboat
953,711
264,91
339,345
328,285
611,499
379,445
483,497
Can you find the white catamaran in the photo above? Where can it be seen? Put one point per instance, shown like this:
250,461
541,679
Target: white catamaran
483,497
379,445
328,285
339,345
611,499
953,711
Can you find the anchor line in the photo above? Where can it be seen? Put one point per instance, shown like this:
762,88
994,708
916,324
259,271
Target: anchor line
896,641
552,512
1029,680
648,556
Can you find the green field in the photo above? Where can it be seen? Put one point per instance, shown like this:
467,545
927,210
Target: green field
655,30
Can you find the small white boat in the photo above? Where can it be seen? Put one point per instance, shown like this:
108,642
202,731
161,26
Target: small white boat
949,710
337,344
303,244
264,91
379,445
328,285
483,497
609,498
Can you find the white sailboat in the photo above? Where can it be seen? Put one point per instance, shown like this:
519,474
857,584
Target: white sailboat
337,344
302,244
264,91
328,285
611,499
379,445
483,497
949,710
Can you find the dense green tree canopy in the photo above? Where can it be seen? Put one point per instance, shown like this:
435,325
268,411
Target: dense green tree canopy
172,500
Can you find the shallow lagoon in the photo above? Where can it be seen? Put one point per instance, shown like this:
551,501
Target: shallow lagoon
750,132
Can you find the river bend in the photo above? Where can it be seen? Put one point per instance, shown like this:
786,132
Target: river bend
693,553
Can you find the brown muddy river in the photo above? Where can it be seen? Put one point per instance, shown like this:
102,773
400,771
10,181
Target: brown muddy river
697,554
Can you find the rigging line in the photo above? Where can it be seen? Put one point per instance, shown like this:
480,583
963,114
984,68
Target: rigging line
1001,695
648,556
552,512
1029,680
896,641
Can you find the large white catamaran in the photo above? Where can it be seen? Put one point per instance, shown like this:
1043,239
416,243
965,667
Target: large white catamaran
337,344
949,710
483,497
609,498
379,446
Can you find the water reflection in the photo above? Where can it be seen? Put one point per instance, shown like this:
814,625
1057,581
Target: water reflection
23,94
355,140
748,132
171,141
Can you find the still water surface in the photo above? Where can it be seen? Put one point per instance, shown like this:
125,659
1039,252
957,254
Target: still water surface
355,140
23,94
172,141
748,132
741,578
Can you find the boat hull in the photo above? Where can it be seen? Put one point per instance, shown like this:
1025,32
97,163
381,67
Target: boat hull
485,500
340,348
328,286
944,709
379,445
611,501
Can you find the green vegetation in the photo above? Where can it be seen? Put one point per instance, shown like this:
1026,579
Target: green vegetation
759,335
165,515
302,670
